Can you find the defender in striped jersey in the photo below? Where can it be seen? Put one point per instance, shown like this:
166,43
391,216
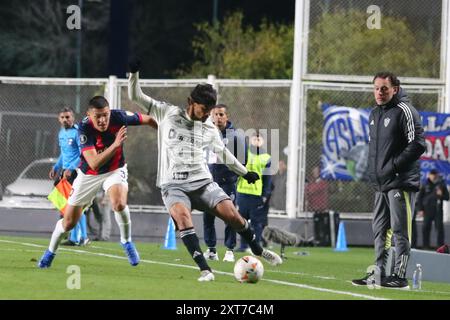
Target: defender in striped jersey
183,175
395,146
102,134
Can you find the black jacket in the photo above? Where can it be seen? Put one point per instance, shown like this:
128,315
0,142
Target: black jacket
428,200
238,147
396,143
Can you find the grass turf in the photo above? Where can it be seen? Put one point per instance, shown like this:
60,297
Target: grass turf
165,274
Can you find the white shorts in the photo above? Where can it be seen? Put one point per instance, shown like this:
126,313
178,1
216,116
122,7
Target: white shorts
86,186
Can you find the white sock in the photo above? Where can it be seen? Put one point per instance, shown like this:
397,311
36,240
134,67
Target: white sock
57,235
124,222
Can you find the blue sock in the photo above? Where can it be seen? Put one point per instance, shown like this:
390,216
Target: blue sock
75,234
83,227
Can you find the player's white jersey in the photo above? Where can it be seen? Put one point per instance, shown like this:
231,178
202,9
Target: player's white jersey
182,141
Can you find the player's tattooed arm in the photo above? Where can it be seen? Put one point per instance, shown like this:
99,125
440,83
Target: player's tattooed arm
97,160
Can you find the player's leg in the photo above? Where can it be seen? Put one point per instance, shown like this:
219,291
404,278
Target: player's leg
209,232
226,211
182,217
62,228
178,204
83,191
118,195
116,187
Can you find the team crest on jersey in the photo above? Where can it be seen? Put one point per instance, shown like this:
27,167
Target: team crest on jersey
225,141
83,139
386,122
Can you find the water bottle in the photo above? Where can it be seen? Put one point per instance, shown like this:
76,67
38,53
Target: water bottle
417,277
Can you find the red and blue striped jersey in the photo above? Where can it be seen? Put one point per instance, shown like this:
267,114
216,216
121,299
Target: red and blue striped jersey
91,138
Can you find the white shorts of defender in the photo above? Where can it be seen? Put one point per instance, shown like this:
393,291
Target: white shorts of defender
86,186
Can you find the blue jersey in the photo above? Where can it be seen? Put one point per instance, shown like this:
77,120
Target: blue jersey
91,138
69,157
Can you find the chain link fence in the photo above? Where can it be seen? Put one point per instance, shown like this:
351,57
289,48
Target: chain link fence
355,196
29,130
29,121
252,105
357,38
29,126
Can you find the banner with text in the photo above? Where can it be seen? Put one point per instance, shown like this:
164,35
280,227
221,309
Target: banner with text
345,141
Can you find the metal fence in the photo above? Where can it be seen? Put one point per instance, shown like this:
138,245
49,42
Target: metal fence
29,128
354,39
354,197
29,125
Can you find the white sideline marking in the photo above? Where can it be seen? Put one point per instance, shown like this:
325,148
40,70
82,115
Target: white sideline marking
304,274
298,285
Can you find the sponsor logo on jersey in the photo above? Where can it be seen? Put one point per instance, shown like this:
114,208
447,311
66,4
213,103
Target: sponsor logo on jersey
83,139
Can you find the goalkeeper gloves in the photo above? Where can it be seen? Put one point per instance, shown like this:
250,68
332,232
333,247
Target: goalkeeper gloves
134,65
251,177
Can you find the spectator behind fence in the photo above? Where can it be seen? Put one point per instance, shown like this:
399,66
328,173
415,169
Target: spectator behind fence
316,192
429,205
278,199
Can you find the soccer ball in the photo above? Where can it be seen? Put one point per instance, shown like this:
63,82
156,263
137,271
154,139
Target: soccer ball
248,269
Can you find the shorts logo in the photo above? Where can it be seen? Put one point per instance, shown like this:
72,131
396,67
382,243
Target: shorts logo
180,175
397,195
83,139
386,122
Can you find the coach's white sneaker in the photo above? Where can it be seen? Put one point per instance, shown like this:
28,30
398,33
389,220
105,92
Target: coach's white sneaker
209,255
271,257
206,275
229,256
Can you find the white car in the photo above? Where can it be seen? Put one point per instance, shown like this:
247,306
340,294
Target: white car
31,188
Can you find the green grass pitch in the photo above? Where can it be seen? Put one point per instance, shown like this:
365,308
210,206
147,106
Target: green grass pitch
166,274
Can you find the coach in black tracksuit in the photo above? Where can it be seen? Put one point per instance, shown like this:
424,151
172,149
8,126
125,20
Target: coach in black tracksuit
396,144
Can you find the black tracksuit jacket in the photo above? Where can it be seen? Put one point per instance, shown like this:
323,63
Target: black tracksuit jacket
396,143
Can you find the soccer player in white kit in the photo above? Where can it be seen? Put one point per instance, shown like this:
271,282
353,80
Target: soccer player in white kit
183,174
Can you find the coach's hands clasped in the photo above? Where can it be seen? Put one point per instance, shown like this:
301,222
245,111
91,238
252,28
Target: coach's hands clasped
251,177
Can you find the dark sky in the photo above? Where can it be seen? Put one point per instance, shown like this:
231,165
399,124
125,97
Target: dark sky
161,31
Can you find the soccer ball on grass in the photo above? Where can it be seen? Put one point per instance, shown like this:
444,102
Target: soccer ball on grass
248,269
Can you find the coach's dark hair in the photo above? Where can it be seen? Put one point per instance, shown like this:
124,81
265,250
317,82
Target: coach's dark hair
98,102
205,94
66,109
387,75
